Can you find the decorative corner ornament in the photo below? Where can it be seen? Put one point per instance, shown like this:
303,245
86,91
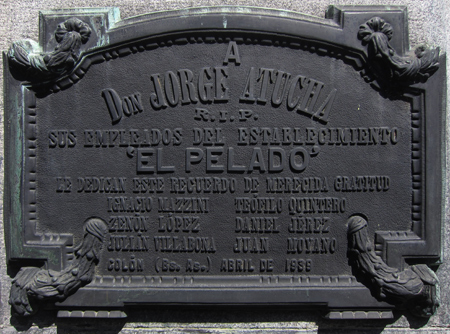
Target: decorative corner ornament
33,283
27,60
415,288
233,205
376,34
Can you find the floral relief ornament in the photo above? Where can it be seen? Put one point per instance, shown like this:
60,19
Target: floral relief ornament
376,34
27,60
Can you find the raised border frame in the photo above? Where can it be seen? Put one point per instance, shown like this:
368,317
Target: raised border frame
115,38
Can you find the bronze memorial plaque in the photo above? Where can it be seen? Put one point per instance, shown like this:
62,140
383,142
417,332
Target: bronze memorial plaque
224,156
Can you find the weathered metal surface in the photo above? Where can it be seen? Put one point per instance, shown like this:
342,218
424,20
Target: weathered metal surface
224,156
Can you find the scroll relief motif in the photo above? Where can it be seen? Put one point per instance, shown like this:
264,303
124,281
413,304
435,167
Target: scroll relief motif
35,284
376,34
415,288
27,60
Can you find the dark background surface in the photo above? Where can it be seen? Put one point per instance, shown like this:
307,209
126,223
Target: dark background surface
425,23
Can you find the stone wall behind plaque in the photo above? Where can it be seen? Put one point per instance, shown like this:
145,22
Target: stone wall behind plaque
429,22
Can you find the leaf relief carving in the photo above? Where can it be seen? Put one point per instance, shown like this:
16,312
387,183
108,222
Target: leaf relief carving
415,288
33,284
384,60
28,62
